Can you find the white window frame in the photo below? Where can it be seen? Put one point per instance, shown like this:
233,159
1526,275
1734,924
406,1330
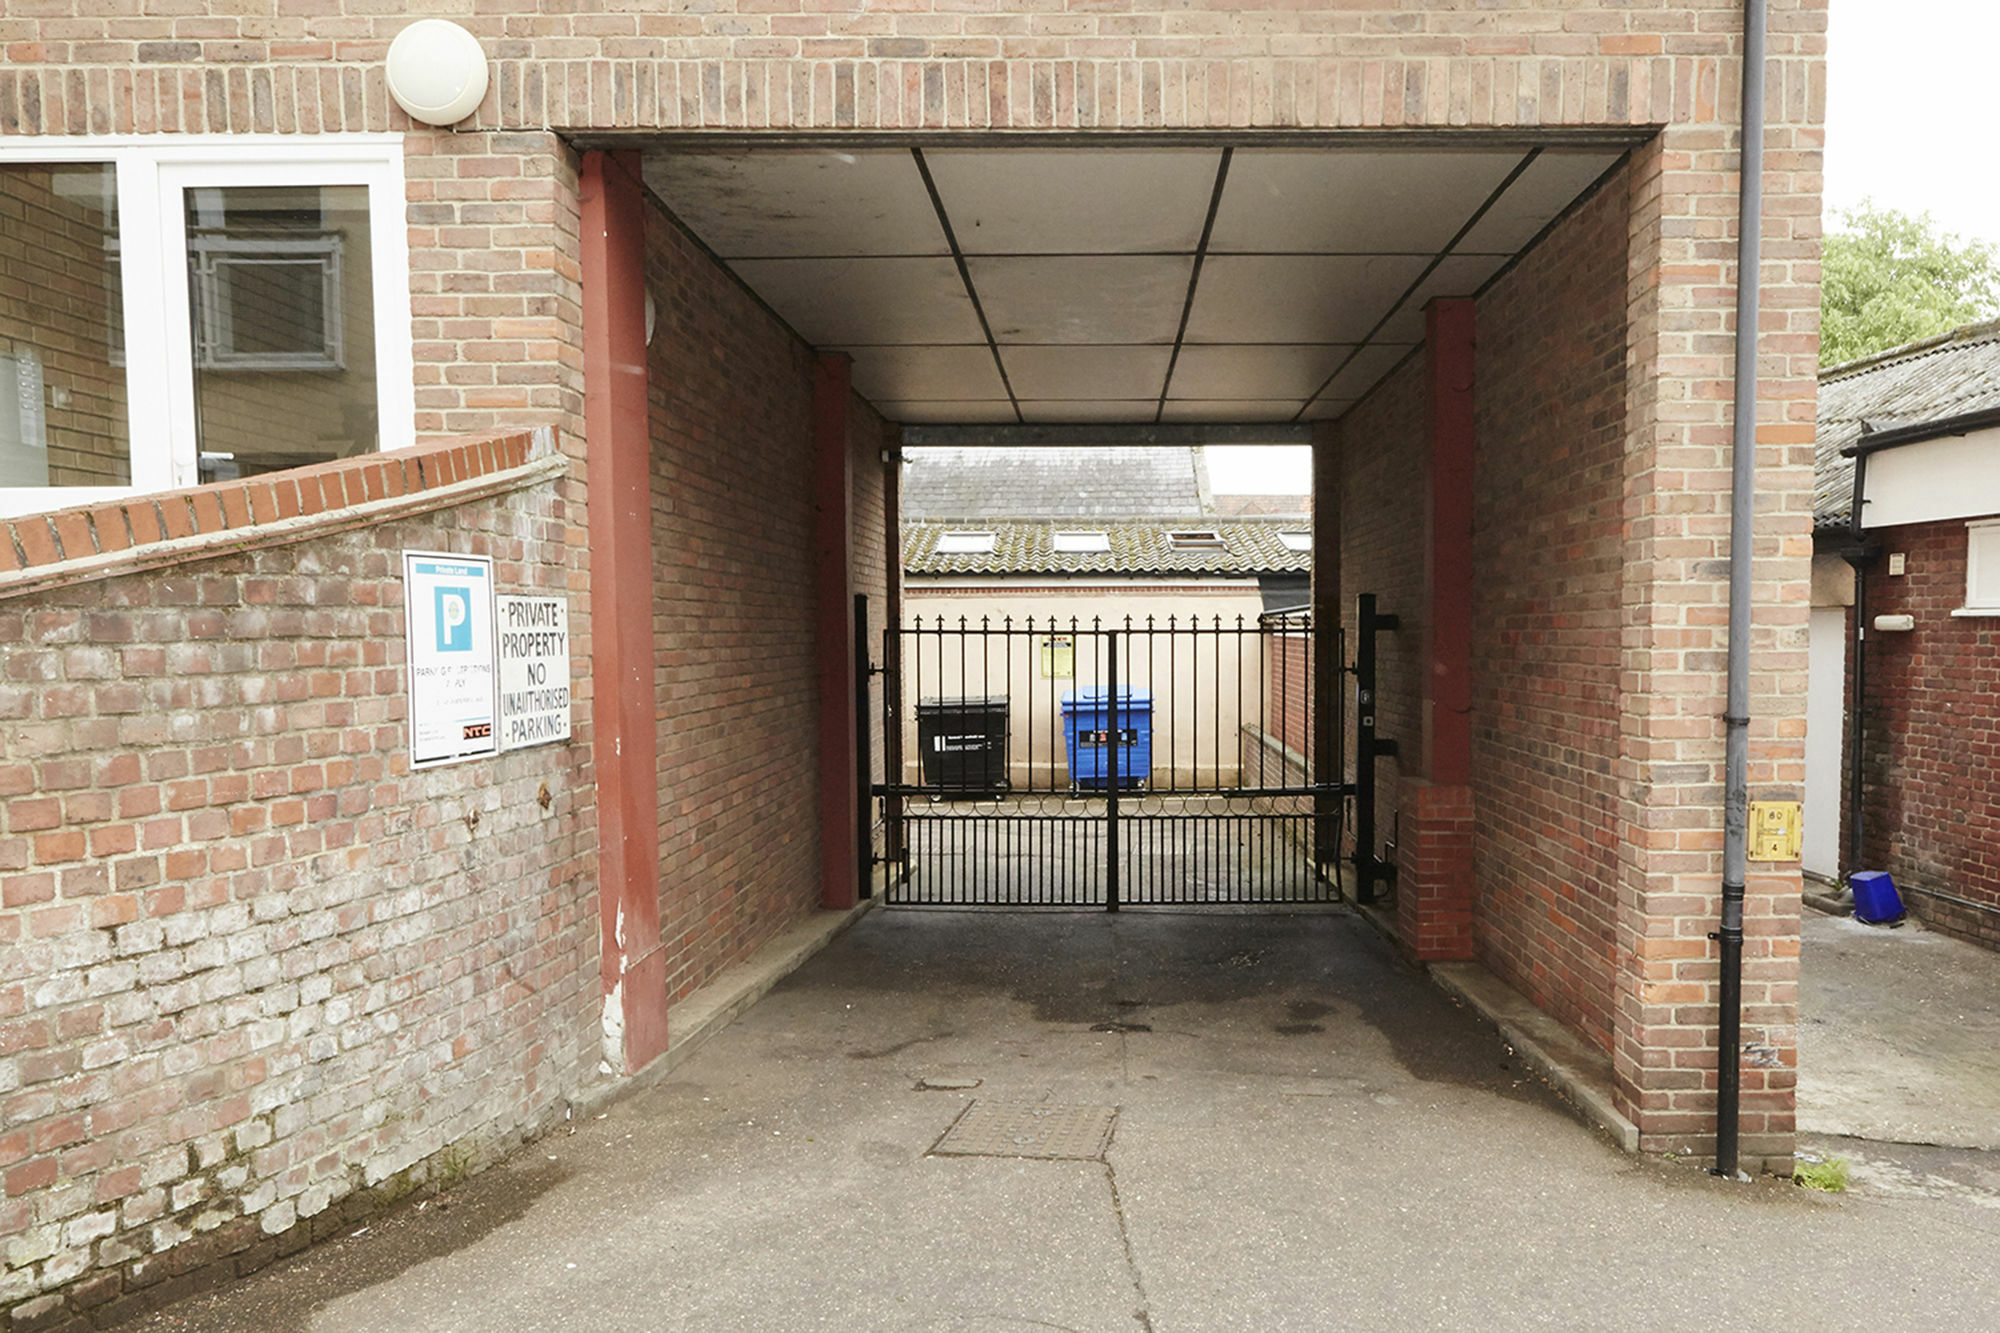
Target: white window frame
1301,542
152,171
1981,599
1082,541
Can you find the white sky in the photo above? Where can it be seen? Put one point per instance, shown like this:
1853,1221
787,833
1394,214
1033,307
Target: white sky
1911,110
1260,469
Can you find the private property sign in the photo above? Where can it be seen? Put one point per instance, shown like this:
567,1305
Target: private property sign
448,623
534,670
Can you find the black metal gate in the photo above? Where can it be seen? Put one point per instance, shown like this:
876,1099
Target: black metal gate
1079,764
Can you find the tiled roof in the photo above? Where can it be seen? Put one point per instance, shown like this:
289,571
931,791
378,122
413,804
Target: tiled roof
1946,376
1250,546
1068,483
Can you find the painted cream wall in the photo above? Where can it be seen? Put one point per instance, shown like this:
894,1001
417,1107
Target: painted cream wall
1199,700
1957,476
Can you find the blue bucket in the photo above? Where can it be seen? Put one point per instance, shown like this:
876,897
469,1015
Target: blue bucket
1875,898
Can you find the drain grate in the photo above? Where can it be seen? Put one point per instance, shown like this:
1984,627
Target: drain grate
1029,1129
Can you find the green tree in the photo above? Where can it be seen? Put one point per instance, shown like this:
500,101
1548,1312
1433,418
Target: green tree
1889,279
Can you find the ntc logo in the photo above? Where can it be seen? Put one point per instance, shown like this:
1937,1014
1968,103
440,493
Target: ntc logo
454,620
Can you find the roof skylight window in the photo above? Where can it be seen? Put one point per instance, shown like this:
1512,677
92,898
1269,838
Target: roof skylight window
1296,541
965,543
1197,537
1083,541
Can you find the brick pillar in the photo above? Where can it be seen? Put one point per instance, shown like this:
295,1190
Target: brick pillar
1681,270
1434,879
833,555
618,471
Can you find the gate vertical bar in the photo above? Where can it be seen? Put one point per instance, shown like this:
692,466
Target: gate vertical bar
893,853
1111,866
864,757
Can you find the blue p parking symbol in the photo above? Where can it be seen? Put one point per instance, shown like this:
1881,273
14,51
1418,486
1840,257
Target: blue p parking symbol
454,620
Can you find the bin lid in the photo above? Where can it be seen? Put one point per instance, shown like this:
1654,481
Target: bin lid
964,704
1096,696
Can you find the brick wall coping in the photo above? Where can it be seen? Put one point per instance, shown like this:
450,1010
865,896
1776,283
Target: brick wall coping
67,546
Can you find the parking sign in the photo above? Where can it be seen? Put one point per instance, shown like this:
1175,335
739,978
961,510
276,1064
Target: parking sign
448,621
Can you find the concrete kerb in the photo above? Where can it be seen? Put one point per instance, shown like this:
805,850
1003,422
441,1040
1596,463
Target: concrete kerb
1579,1072
1571,1066
717,1004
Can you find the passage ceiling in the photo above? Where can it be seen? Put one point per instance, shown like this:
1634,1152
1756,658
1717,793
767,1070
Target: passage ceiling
1070,285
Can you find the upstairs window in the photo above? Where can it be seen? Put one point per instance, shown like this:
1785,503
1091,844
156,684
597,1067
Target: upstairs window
1195,539
191,309
1982,568
1083,542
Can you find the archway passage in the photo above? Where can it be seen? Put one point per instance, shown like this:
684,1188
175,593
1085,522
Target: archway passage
1145,292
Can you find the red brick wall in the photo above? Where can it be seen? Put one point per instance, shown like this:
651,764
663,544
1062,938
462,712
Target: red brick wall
1931,799
1547,561
253,969
1382,443
733,614
1288,702
869,525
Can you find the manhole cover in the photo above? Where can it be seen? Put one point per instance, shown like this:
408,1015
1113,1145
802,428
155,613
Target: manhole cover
1029,1129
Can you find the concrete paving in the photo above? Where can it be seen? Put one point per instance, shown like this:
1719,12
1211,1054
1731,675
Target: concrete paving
1899,1035
1309,1135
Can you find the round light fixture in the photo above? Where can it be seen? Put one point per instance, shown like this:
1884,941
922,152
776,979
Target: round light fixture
436,71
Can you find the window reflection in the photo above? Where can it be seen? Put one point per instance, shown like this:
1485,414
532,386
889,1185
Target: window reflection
63,417
282,305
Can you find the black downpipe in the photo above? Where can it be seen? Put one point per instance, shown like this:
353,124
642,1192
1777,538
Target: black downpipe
1860,554
1742,518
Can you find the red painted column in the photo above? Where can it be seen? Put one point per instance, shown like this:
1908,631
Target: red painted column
833,554
1434,870
618,472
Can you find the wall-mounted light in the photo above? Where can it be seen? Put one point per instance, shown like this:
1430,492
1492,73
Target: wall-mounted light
436,71
1895,624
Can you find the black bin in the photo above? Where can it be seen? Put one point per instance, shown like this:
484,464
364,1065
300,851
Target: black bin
964,743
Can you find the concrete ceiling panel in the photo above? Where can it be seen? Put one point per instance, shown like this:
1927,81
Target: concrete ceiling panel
1230,409
908,373
1366,367
1082,298
1075,201
1102,409
1254,372
837,302
1305,201
1087,372
941,412
1460,275
1294,299
1549,185
781,202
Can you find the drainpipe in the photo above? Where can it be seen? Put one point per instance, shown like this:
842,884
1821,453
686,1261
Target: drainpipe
1742,517
1859,554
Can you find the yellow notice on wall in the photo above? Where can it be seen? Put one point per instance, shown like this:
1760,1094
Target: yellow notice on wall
1058,656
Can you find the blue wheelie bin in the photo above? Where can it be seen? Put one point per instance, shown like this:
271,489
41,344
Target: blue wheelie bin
1089,720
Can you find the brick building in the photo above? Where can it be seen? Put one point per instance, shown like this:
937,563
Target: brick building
640,330
1915,433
